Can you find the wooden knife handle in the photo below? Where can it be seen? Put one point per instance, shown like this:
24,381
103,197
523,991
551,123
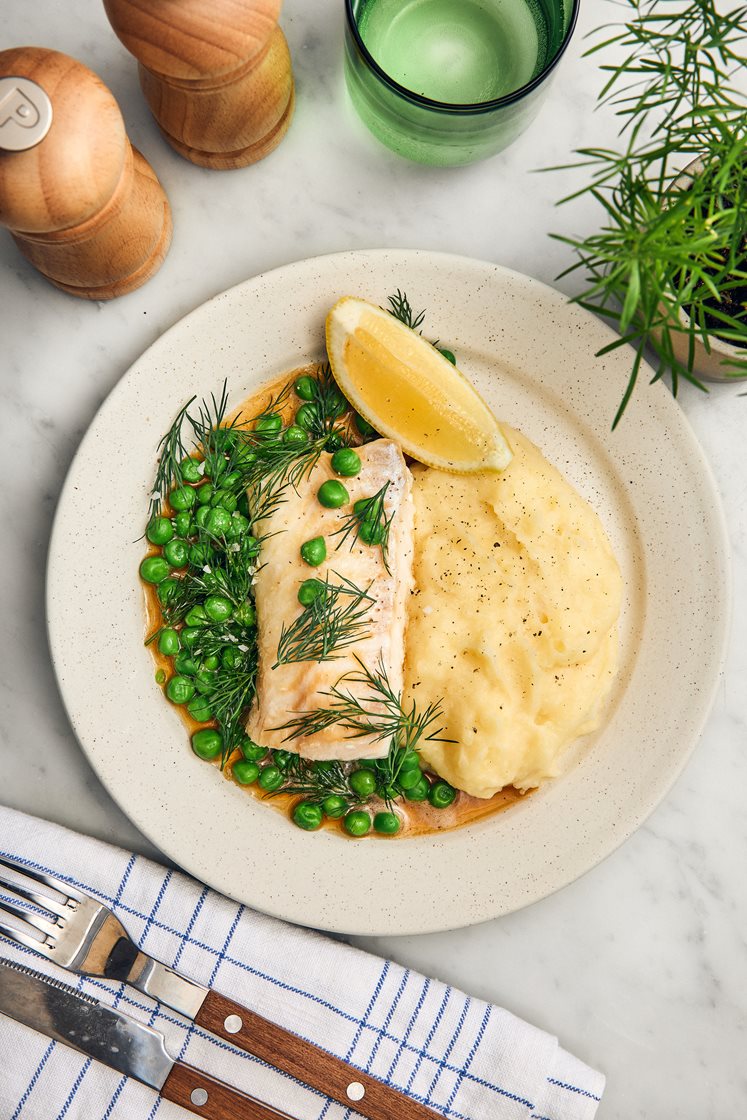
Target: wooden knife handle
203,1095
315,1067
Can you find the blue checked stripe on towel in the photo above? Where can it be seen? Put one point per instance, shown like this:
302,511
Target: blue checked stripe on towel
462,1057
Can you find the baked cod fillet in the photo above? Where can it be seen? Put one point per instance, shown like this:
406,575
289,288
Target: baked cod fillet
286,690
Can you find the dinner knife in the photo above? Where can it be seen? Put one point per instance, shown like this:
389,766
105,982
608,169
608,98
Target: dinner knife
120,1042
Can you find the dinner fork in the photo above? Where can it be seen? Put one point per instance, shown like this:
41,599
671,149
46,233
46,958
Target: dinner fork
76,932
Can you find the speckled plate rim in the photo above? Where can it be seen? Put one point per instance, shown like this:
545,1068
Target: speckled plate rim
531,353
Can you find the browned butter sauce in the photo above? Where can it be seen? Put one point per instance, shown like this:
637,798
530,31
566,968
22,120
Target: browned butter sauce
418,817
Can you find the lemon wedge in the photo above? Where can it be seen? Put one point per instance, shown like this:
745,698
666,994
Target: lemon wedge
409,392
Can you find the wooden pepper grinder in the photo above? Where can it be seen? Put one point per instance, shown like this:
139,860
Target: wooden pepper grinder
216,74
81,203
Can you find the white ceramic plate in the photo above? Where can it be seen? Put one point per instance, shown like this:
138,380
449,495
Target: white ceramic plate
531,355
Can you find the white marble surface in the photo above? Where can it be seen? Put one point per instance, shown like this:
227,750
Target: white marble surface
641,966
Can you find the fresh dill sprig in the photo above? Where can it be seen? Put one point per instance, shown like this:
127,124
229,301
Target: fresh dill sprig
336,618
170,453
231,694
377,712
369,522
315,780
215,437
276,465
399,307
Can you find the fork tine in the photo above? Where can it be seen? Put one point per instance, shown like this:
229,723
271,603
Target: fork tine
51,893
23,934
12,903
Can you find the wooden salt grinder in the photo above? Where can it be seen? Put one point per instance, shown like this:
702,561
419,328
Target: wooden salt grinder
216,74
81,203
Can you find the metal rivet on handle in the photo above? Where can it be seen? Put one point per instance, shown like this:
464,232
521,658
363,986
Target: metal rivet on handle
25,114
355,1091
198,1097
233,1024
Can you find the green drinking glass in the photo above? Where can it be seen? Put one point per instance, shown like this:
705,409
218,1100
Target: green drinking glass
449,82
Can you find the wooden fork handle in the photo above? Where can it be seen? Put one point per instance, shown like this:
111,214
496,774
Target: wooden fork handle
306,1062
203,1095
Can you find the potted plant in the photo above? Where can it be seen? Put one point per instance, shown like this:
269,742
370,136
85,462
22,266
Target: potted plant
669,264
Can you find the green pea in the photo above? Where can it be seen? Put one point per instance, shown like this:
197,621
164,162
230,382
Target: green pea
224,499
200,710
154,569
207,743
190,469
205,494
218,608
407,759
189,635
212,661
336,403
180,690
371,532
184,526
309,591
199,553
387,823
362,508
295,435
239,524
307,816
282,759
245,773
201,515
357,823
332,494
441,795
408,779
204,681
218,521
448,355
228,658
364,427
346,462
270,778
185,664
420,791
307,416
270,424
196,617
160,676
335,806
362,782
160,530
177,553
252,752
230,480
245,614
251,546
369,763
314,552
166,591
305,388
183,498
168,642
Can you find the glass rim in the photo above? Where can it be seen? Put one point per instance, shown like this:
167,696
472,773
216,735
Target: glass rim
455,106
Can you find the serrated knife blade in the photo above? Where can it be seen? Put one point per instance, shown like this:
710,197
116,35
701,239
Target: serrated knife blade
120,1042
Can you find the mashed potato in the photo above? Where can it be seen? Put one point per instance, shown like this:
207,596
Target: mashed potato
512,619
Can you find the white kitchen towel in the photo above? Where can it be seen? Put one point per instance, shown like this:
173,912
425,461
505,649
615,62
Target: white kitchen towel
464,1058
